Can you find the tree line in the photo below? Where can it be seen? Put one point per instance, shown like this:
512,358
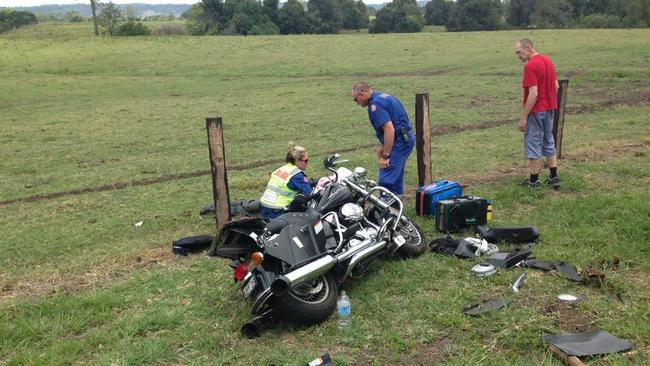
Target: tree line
474,15
267,17
331,16
231,17
11,19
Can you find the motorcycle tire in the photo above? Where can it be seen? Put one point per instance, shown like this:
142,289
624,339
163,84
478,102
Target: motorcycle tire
416,242
308,303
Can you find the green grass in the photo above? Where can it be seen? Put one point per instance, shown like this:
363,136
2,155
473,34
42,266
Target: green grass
80,284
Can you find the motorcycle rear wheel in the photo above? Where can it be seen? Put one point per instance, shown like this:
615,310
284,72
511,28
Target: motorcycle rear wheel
308,303
416,242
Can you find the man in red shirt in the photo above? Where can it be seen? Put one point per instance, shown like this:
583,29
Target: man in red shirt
536,120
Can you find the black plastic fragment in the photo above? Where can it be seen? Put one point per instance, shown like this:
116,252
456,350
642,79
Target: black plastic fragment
568,271
508,260
590,343
534,263
482,308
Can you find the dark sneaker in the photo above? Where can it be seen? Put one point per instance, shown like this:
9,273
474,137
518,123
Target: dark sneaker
553,182
528,183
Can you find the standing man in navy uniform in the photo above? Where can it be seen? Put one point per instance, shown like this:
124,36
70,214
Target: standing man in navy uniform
394,132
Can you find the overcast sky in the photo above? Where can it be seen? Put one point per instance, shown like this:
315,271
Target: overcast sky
50,2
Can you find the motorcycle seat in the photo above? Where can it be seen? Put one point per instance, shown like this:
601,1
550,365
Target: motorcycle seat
292,218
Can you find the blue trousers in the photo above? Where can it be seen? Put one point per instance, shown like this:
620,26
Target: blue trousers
392,178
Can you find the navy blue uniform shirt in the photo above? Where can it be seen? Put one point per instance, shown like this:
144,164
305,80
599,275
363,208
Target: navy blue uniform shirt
384,107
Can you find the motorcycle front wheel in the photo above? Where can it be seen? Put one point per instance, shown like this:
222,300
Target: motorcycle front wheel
310,302
415,240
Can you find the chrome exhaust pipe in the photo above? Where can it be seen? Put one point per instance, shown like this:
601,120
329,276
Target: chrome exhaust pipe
363,255
285,282
253,328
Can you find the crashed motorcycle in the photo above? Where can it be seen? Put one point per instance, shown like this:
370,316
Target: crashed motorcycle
291,267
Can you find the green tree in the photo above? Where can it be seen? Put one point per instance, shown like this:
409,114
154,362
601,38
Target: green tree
551,13
109,17
292,18
354,14
637,13
132,28
271,10
519,12
131,13
399,16
436,12
10,19
474,15
73,17
324,16
196,23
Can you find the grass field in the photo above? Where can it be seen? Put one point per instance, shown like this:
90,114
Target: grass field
100,133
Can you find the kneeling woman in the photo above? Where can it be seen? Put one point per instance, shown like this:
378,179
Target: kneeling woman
288,187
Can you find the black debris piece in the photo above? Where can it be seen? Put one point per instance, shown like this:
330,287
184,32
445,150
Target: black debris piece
590,343
568,271
534,263
507,260
191,244
444,245
207,210
482,308
516,234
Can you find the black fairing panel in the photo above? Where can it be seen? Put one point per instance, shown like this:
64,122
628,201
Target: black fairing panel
301,240
333,197
234,240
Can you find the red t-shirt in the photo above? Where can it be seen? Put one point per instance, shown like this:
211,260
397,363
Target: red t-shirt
539,70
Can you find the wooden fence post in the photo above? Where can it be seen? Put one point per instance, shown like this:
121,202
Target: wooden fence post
217,150
423,138
558,118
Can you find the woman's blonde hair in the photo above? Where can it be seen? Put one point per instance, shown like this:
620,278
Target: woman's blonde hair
295,153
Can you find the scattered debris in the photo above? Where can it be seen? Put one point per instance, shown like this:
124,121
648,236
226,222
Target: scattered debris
482,308
191,244
484,269
518,282
323,360
568,271
507,260
590,343
567,297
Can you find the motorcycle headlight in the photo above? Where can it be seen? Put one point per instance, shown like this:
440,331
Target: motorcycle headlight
351,212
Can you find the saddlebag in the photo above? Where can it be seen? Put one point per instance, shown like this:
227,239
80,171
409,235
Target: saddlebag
427,196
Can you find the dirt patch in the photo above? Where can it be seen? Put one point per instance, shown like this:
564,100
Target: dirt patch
567,317
605,98
101,275
612,152
575,73
431,72
428,353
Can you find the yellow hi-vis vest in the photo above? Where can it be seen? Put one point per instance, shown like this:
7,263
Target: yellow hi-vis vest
278,195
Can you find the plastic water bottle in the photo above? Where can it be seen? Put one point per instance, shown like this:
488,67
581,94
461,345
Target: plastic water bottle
343,307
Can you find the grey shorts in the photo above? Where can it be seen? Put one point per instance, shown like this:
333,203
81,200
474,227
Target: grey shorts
538,137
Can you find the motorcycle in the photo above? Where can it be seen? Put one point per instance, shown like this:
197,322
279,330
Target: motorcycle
291,267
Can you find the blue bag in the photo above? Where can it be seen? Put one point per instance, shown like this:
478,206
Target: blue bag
427,197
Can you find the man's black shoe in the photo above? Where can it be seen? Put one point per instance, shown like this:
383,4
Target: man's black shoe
553,182
528,183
